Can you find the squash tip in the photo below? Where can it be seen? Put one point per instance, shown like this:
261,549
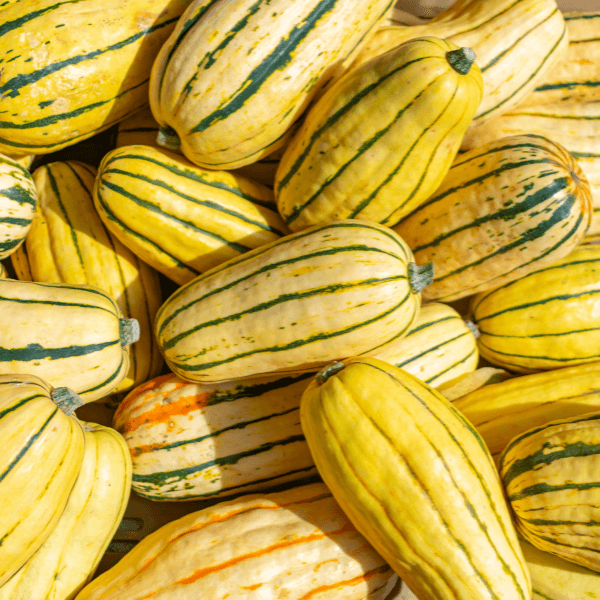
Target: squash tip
328,371
129,331
420,276
66,399
461,60
168,138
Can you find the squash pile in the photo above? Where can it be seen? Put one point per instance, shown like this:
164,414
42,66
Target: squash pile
336,272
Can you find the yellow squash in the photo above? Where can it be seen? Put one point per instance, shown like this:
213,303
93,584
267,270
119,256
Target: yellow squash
227,61
380,140
68,243
68,558
469,382
296,545
416,480
42,452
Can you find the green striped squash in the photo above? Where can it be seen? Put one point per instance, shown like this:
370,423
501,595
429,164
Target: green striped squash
191,441
181,219
295,544
505,409
437,348
70,70
42,453
68,243
68,558
575,124
505,209
226,61
545,320
338,290
420,99
553,578
576,76
549,474
516,43
18,200
69,335
416,480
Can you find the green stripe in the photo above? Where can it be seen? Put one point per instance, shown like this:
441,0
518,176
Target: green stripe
14,221
479,23
567,85
28,445
432,323
553,359
10,26
281,299
10,244
52,302
279,58
430,349
108,380
544,488
295,344
168,477
539,335
20,403
33,352
549,522
452,366
206,203
265,269
20,195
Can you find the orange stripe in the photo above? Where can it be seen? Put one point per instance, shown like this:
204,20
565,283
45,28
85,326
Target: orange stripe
142,389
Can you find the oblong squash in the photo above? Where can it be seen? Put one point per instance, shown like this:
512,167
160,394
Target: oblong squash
181,219
469,382
437,348
575,124
516,44
65,78
69,335
547,319
18,199
68,243
503,410
42,452
505,209
295,544
550,477
68,558
415,479
190,441
281,55
346,288
380,140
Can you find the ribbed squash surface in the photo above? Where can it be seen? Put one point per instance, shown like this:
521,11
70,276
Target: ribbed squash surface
505,209
503,410
516,44
68,558
226,61
198,440
416,480
68,243
381,139
296,544
550,474
179,218
42,451
18,201
70,69
545,320
291,306
70,335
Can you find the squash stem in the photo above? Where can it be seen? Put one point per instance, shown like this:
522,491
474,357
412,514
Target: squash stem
67,400
129,331
461,60
473,328
420,276
331,369
167,138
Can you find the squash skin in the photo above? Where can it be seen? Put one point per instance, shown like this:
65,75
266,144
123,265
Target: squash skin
293,544
394,452
505,209
18,201
179,218
64,87
516,43
338,165
71,335
337,290
68,558
68,243
38,438
545,320
282,57
550,472
192,441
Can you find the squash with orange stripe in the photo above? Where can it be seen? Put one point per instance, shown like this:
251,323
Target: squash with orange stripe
296,545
